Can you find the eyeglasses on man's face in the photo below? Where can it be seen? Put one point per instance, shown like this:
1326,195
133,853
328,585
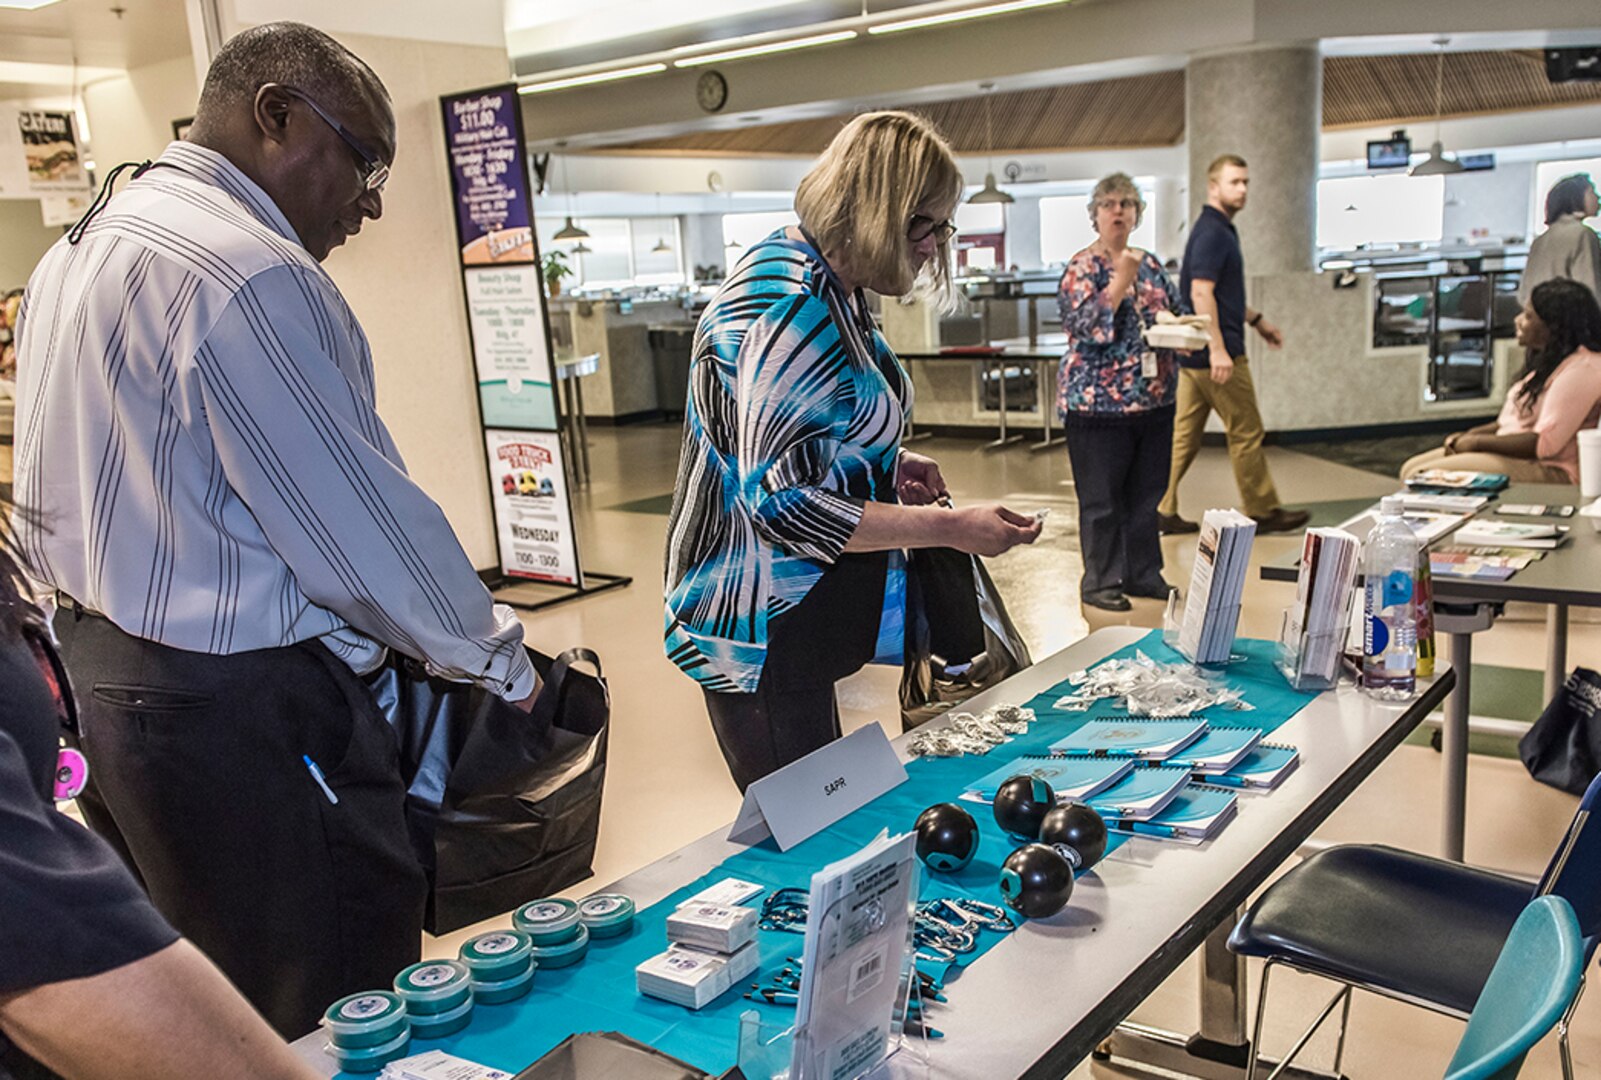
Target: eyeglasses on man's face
374,172
920,228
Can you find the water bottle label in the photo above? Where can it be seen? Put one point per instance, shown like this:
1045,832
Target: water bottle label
1378,639
1397,588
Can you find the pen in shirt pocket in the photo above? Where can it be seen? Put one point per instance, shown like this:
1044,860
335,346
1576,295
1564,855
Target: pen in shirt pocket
322,781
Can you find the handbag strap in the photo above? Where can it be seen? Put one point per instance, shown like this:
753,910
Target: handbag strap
554,689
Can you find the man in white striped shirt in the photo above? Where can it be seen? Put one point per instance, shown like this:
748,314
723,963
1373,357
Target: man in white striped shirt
203,478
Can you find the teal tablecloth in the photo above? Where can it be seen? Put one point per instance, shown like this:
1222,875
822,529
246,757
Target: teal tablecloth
598,994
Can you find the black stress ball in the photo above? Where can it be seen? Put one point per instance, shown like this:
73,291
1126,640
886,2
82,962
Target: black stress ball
947,837
1036,881
1021,804
1077,832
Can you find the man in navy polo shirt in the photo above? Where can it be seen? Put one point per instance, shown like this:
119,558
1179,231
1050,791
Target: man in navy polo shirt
1214,281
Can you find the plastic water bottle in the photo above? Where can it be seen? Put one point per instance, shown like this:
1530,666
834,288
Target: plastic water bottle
1389,634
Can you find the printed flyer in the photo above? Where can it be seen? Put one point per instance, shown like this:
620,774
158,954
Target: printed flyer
529,491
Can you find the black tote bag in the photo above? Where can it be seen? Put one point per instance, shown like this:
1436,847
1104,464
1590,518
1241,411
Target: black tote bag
959,638
1563,748
503,806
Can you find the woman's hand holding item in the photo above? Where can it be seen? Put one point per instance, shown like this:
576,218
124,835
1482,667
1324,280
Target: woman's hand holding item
918,481
989,529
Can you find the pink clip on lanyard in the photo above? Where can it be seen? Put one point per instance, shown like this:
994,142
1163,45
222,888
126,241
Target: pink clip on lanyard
72,774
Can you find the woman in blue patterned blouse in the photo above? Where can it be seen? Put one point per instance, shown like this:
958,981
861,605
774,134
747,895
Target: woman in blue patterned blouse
1115,396
794,497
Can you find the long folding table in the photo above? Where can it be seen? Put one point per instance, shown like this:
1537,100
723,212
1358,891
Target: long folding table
1056,991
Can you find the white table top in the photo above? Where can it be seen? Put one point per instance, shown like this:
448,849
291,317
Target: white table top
1037,1002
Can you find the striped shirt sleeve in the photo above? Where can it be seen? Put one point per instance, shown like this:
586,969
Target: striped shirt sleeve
305,450
791,370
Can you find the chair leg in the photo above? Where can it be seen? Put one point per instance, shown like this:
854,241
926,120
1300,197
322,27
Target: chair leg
1345,1018
1563,1048
1256,1030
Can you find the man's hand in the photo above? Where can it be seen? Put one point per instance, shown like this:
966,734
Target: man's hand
1270,334
917,480
990,529
1222,365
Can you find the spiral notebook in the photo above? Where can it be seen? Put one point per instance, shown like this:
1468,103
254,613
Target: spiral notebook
1219,749
1263,769
1142,794
1196,814
1136,737
1071,778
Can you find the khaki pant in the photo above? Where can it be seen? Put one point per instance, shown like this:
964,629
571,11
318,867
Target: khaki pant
1518,470
1235,403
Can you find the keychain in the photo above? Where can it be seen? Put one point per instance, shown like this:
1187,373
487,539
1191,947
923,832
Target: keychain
72,774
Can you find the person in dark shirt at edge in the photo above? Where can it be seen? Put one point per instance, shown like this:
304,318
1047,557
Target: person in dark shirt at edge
94,985
1213,281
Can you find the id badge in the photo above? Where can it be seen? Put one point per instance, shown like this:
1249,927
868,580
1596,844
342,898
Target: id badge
1148,365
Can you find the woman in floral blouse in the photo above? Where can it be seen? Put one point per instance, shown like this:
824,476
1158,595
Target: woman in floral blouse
1115,397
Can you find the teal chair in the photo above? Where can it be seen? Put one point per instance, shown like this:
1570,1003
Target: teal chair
1531,986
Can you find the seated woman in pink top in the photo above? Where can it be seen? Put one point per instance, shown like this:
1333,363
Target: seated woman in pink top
1536,437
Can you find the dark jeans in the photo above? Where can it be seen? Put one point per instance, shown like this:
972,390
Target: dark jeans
197,778
1120,468
760,733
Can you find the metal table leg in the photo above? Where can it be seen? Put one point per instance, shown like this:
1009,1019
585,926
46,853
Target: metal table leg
583,427
1220,1048
1556,649
1047,409
1454,750
1005,439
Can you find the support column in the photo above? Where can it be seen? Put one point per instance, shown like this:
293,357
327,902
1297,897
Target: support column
1265,105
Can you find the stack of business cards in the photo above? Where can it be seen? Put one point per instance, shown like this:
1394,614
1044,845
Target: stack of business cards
438,1065
693,977
717,927
728,892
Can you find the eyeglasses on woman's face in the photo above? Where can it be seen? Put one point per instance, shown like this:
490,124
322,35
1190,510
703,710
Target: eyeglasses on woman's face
920,228
1128,203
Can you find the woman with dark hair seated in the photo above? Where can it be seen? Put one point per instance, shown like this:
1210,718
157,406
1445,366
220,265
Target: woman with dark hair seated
1536,437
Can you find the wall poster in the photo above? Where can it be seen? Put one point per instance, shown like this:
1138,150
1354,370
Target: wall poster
507,317
489,173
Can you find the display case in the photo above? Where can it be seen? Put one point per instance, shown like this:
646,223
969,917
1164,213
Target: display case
1457,310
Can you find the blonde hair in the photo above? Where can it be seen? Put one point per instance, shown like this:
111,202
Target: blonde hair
1216,168
859,198
1117,183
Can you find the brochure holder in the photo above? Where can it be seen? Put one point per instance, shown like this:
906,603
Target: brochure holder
1296,647
1173,622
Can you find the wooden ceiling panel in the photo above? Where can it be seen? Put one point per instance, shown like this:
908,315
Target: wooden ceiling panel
1148,110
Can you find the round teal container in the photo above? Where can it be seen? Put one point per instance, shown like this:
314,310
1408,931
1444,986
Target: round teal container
371,1058
563,954
497,956
438,1025
371,1018
606,915
498,993
433,987
551,921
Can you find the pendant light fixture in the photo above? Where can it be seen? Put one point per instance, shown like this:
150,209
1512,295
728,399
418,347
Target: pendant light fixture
989,193
568,231
662,246
1437,164
732,243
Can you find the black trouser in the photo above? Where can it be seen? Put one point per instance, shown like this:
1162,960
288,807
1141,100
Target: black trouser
1120,467
760,733
197,777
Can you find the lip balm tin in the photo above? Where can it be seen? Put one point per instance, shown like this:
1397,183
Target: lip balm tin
497,956
563,954
606,915
438,1025
371,1058
370,1018
433,987
498,993
551,921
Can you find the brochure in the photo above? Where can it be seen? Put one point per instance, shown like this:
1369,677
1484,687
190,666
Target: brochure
1212,605
1074,779
1218,750
1197,814
1510,534
1138,737
1141,794
1262,769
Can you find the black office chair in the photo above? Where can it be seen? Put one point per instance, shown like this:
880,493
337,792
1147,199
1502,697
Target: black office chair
1414,928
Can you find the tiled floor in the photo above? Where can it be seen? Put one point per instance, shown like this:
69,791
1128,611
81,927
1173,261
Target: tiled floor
667,784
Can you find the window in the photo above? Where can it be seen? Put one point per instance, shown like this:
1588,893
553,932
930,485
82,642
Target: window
980,218
752,228
1547,173
619,254
1065,227
1357,210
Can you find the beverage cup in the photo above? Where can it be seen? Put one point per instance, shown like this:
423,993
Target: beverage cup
1590,463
